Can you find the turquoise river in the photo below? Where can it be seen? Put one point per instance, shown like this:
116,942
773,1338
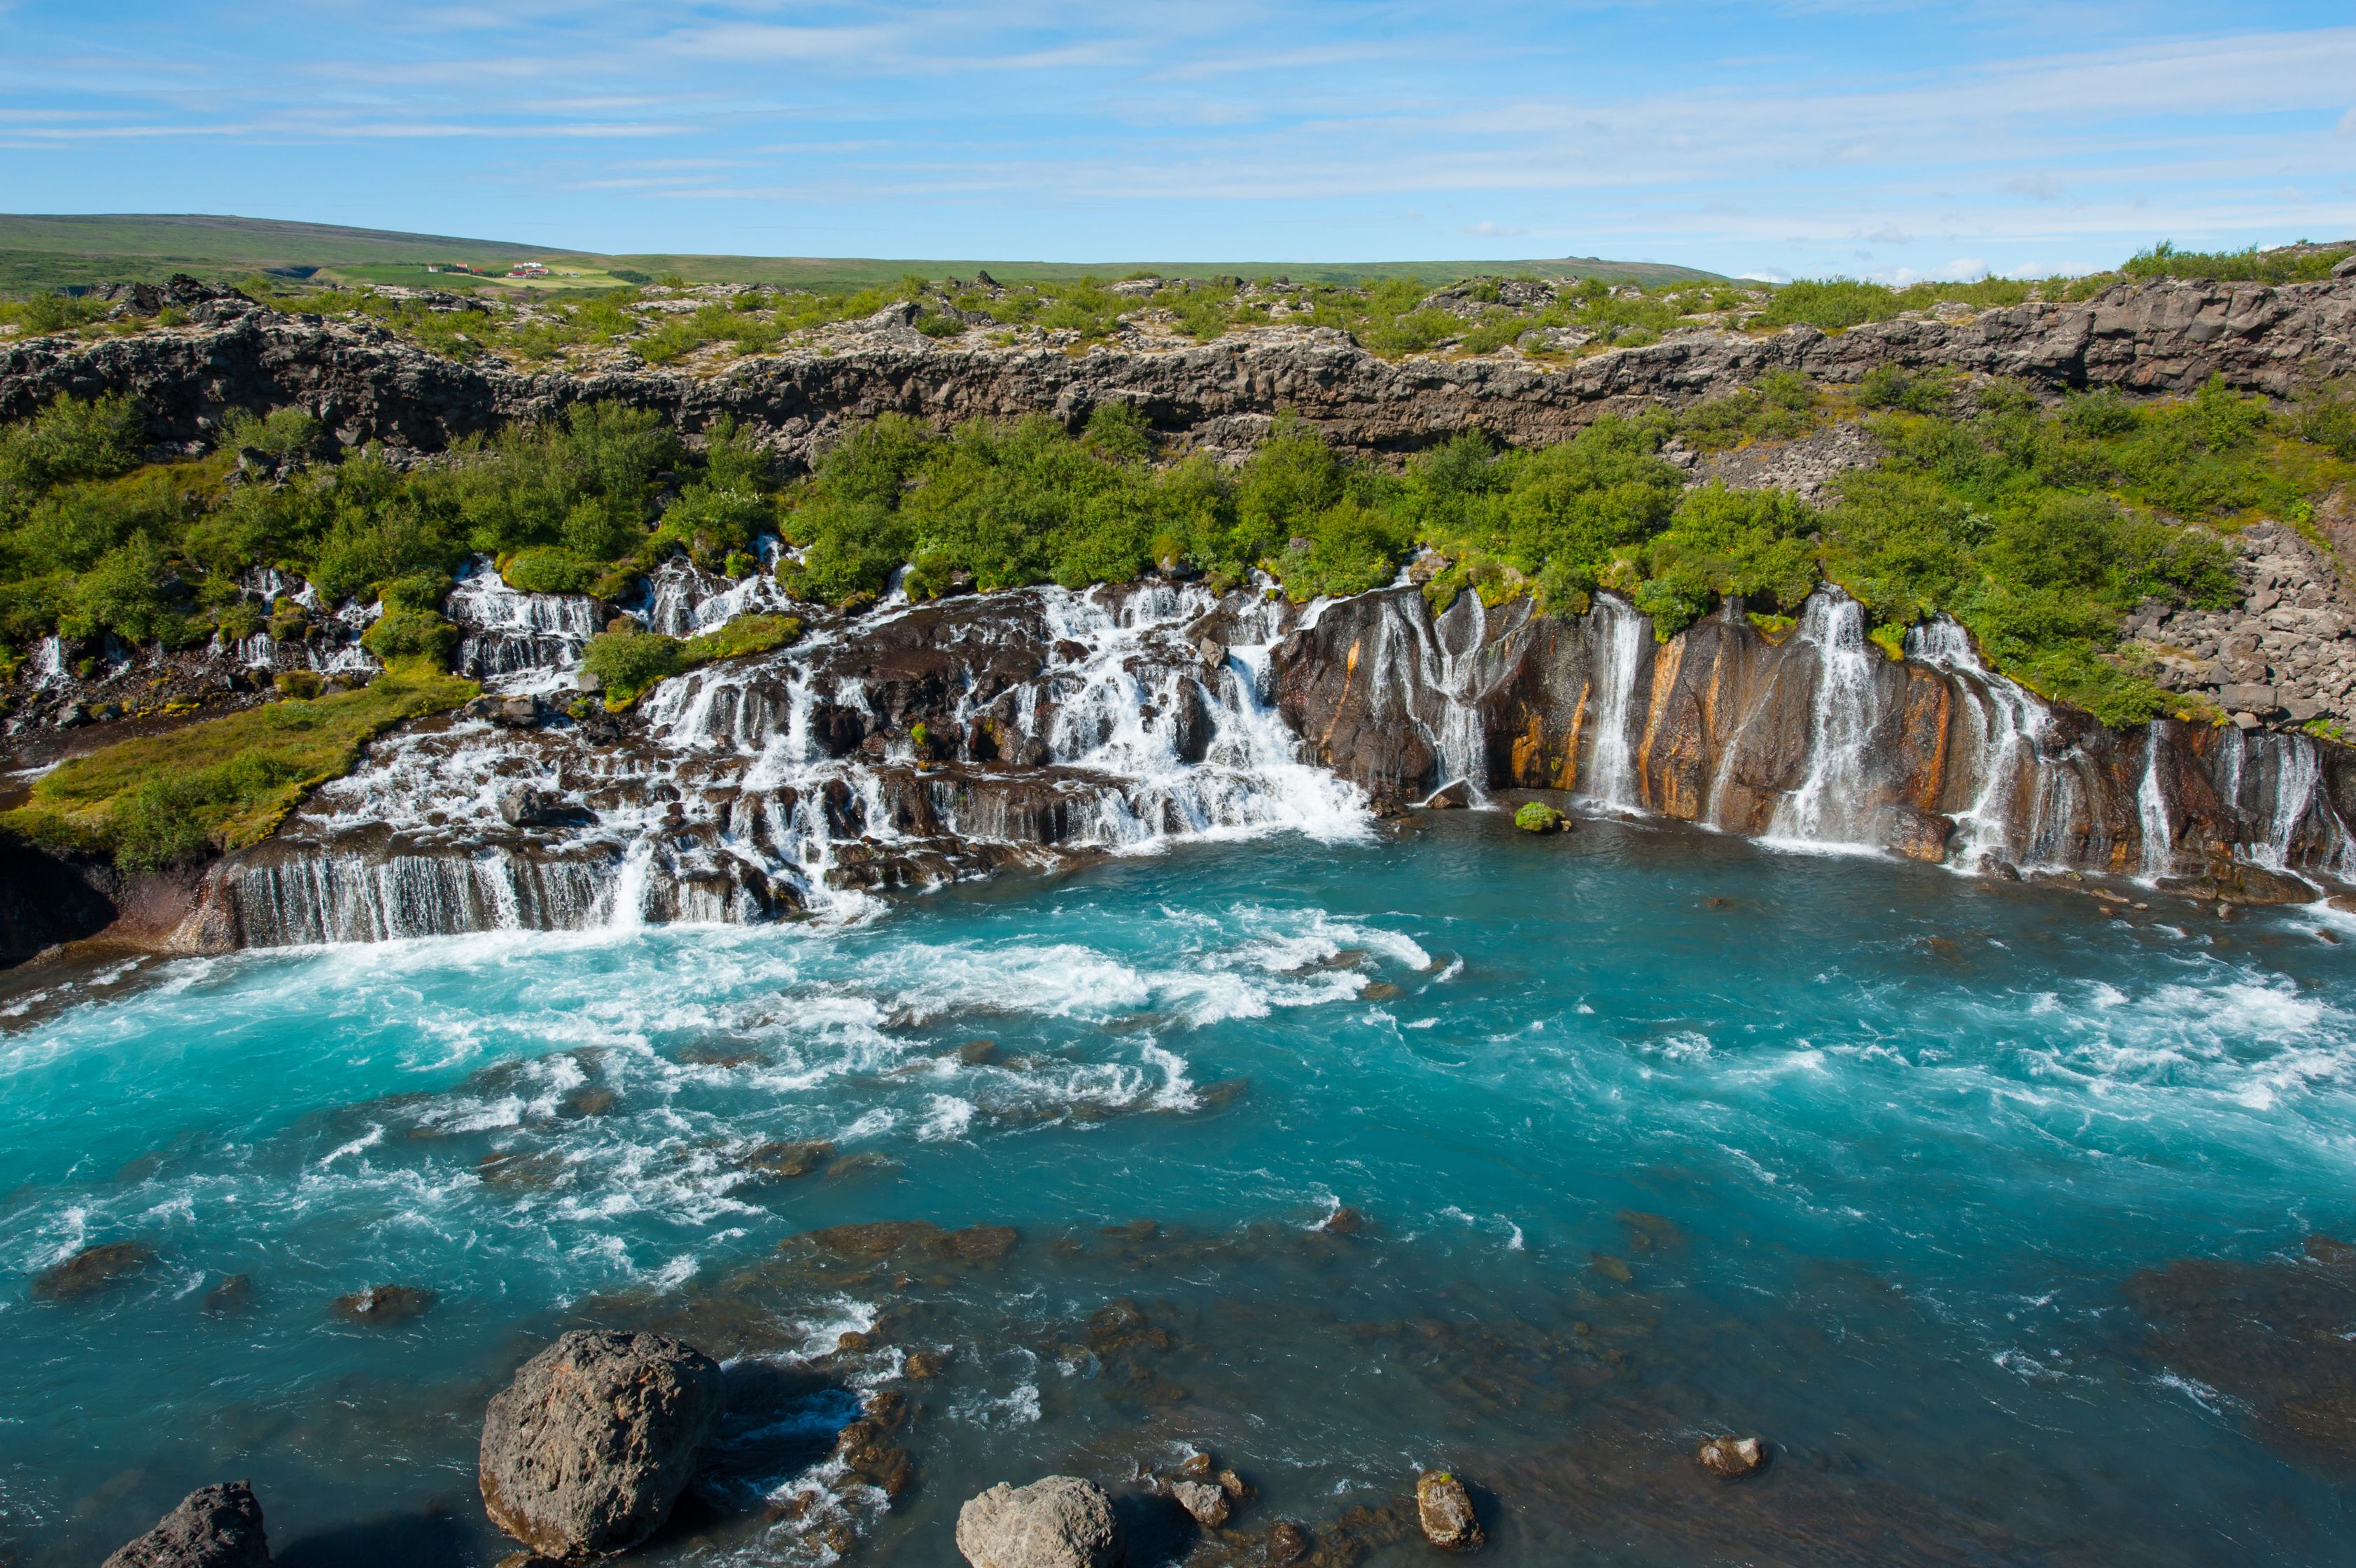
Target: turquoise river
2010,1219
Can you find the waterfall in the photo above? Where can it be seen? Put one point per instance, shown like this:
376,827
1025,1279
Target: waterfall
352,898
2007,724
734,811
2151,810
1825,807
49,661
2294,826
682,599
1456,680
1619,649
511,640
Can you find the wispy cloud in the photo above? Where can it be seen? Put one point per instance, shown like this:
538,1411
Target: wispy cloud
1781,139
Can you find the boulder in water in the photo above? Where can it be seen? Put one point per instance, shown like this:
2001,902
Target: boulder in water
1207,1503
1450,796
1059,1522
1916,835
383,1304
587,1450
92,1269
2238,882
1731,1458
214,1527
1287,1543
1538,817
1444,1509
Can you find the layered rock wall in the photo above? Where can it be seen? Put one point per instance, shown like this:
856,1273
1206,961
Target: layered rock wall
1812,734
366,385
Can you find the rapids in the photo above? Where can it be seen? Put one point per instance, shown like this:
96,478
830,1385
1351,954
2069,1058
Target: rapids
1649,1133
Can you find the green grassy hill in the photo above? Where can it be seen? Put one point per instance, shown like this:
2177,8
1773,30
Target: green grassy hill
41,252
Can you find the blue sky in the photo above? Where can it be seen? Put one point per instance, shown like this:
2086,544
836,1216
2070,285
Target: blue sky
1883,140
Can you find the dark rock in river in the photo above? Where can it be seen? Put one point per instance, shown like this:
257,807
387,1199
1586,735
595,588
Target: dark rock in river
214,1527
587,1450
785,1161
383,1304
1059,1522
1444,1509
1287,1543
2273,1335
92,1269
234,1293
2237,882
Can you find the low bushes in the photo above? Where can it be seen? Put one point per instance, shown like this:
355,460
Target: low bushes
627,663
222,783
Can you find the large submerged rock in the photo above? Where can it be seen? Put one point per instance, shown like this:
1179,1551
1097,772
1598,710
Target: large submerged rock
1059,1522
587,1450
213,1527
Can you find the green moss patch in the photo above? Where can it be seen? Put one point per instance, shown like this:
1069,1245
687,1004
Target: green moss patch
224,783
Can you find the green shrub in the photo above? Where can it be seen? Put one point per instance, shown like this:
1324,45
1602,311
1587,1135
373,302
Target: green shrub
423,591
2250,265
744,635
1887,386
283,433
47,313
2328,420
1830,304
548,569
405,636
626,661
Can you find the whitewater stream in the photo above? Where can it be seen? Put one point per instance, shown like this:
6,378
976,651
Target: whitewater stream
1642,1133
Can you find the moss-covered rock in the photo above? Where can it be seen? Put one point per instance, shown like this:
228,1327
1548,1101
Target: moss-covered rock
1538,817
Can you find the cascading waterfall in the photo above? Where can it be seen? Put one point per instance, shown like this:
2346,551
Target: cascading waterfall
734,810
1824,808
511,640
1619,649
682,599
1456,674
2007,725
1113,722
2151,808
2294,811
1419,679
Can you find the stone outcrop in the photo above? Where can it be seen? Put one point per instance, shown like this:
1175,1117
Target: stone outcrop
2286,654
1444,1509
365,384
1812,734
1059,1522
1731,1458
213,1527
587,1450
92,1269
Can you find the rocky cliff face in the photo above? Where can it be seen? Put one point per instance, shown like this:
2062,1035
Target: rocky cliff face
918,745
1815,735
366,385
